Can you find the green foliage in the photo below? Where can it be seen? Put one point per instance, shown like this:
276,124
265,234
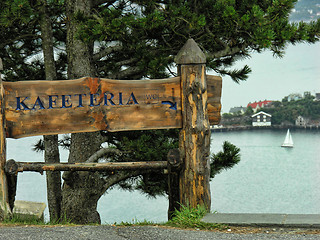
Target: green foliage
151,33
288,111
249,111
135,222
23,220
282,112
17,219
144,146
139,39
191,218
20,39
225,159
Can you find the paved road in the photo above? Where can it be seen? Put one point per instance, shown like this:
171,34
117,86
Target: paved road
135,233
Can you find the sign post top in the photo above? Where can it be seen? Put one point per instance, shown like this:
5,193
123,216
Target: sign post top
190,53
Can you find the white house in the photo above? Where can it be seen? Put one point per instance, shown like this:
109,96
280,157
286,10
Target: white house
261,119
301,121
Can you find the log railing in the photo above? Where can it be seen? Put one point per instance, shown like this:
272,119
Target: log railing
190,102
13,167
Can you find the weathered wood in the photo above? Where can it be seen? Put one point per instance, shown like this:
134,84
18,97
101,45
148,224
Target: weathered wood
194,142
4,200
15,167
174,168
214,87
92,104
10,169
12,189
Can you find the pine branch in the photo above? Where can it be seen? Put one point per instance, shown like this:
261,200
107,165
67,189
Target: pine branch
228,51
101,153
106,51
225,159
113,179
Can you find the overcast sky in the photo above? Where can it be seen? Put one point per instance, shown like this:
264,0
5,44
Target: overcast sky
273,78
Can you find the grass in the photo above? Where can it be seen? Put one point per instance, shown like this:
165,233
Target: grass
185,218
17,219
25,220
135,222
191,218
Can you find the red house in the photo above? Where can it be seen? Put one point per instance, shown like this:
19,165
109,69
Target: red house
257,105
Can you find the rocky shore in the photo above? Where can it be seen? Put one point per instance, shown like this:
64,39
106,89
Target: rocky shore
273,127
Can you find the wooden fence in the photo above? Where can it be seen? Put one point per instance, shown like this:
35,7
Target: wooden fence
190,102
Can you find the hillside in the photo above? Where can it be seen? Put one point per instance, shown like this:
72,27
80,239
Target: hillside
283,112
306,10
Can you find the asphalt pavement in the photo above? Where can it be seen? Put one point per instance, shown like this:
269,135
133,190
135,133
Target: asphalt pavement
240,226
265,219
108,232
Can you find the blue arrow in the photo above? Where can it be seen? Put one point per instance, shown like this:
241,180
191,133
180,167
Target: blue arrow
173,106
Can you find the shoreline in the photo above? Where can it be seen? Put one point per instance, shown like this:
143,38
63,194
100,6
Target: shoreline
274,127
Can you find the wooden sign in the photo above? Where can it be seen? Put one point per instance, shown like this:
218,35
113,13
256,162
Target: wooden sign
92,104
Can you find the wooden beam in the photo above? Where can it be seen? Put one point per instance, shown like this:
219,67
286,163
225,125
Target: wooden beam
93,104
13,167
214,88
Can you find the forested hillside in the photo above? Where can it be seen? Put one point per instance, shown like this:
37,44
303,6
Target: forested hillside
288,111
283,112
306,10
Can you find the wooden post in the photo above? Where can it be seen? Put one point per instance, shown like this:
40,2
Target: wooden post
4,200
194,142
174,168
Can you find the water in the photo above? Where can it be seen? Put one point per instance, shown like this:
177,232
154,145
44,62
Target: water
268,179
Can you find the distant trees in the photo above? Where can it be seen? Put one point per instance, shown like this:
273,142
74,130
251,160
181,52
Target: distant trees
124,39
282,112
290,110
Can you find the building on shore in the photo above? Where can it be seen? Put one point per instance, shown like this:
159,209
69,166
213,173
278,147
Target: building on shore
257,105
238,110
261,119
302,121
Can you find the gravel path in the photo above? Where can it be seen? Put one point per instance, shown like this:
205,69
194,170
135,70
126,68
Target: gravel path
146,233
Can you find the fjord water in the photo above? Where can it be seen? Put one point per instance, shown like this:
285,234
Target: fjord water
268,179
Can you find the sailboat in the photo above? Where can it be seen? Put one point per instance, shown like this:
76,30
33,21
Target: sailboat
288,142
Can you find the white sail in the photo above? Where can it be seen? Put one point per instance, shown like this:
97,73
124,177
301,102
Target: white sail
288,142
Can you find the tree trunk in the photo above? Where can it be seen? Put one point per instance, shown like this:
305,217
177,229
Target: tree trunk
81,190
51,154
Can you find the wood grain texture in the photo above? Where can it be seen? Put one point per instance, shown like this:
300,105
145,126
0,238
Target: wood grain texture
15,167
4,197
214,88
92,104
194,142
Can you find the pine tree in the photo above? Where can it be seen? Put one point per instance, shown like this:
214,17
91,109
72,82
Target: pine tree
123,39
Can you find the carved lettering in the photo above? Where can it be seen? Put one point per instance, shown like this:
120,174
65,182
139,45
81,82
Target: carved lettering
22,104
106,99
52,101
66,101
93,100
80,99
38,103
75,100
132,99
